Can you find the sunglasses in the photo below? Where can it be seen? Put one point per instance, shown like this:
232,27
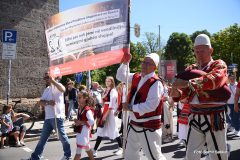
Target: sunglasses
147,63
46,77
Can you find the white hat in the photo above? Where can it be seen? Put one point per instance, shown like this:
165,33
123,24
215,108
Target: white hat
154,57
202,39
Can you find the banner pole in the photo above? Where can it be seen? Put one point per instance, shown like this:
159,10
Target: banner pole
125,113
125,116
55,117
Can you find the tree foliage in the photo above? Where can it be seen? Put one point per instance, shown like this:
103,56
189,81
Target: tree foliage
179,47
152,42
226,43
195,34
138,52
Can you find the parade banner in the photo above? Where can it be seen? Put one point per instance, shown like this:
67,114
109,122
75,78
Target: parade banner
168,69
88,37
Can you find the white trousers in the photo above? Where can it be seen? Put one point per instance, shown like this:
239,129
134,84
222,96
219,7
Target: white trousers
200,133
149,141
183,131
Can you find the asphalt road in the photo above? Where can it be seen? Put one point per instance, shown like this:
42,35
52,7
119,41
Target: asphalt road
53,149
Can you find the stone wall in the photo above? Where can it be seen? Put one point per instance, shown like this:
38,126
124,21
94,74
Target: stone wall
27,17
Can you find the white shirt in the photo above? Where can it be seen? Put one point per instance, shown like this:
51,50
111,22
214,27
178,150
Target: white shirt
113,104
52,93
153,98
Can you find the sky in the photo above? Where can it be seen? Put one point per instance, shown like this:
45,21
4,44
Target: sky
183,16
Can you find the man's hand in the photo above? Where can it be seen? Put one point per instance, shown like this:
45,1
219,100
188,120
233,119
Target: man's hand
179,83
236,108
174,92
51,103
78,122
127,58
126,107
116,113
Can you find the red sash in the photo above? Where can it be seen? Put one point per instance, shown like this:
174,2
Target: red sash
106,101
183,117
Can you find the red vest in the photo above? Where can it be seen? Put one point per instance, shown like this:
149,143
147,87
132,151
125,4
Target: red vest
107,98
82,116
141,97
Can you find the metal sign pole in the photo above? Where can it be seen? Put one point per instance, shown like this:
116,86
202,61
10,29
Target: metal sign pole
9,79
9,39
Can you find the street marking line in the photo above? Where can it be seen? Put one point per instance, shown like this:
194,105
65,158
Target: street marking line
27,149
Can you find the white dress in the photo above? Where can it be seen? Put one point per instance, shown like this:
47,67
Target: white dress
110,128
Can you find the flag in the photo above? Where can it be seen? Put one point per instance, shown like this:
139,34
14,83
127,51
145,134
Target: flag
88,37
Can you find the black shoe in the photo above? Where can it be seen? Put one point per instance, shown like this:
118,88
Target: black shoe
93,131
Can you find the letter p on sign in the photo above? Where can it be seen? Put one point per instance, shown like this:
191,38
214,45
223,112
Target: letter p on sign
9,36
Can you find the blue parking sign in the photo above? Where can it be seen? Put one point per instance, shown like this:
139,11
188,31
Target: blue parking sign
9,36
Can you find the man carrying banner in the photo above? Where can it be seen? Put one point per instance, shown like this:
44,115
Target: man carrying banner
207,117
145,106
52,100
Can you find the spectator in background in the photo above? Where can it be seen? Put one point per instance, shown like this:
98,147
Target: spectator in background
167,115
81,88
66,102
72,97
232,85
96,92
7,128
18,123
236,114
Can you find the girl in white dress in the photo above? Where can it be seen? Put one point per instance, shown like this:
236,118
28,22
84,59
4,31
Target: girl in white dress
83,124
107,126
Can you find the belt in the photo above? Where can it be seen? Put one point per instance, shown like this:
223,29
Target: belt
206,110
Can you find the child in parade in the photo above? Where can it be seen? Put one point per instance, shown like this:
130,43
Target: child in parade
83,124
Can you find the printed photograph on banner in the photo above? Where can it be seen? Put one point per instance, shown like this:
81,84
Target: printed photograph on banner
88,37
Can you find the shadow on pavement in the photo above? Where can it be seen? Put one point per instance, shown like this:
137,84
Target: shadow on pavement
179,154
172,148
234,155
109,147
